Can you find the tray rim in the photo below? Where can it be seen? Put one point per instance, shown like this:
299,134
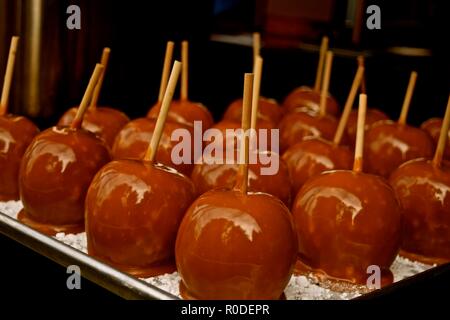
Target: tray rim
122,284
110,278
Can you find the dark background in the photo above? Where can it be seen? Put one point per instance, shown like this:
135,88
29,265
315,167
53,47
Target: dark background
137,32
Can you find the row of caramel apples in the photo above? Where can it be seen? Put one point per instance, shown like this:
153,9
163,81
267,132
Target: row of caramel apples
228,227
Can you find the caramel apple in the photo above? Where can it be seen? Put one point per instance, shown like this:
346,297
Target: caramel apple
182,111
347,221
372,116
185,112
296,126
219,168
103,121
308,99
134,208
315,155
16,133
423,189
137,235
209,175
389,144
299,125
235,244
132,142
433,127
268,111
56,171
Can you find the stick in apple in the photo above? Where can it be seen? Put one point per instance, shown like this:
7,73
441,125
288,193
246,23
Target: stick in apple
359,148
242,175
160,122
319,72
185,70
78,120
326,84
408,96
8,76
348,105
166,69
443,137
98,87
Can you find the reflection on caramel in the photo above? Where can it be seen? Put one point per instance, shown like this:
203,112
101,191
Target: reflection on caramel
104,122
306,99
16,134
235,246
268,111
424,193
133,140
298,125
372,116
185,112
313,156
210,174
55,173
433,127
133,210
346,222
388,145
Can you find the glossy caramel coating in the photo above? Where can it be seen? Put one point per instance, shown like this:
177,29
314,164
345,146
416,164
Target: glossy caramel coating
424,193
103,121
232,245
133,211
372,116
346,222
16,133
306,99
268,110
433,127
209,175
313,156
296,126
389,144
185,112
133,140
55,173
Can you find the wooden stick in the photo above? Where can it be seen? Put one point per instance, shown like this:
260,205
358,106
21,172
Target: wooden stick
159,127
184,72
361,63
78,120
256,48
408,96
443,137
8,75
319,72
348,105
359,148
326,84
98,87
166,69
242,175
256,90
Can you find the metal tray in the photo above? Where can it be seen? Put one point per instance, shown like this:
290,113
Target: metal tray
130,287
